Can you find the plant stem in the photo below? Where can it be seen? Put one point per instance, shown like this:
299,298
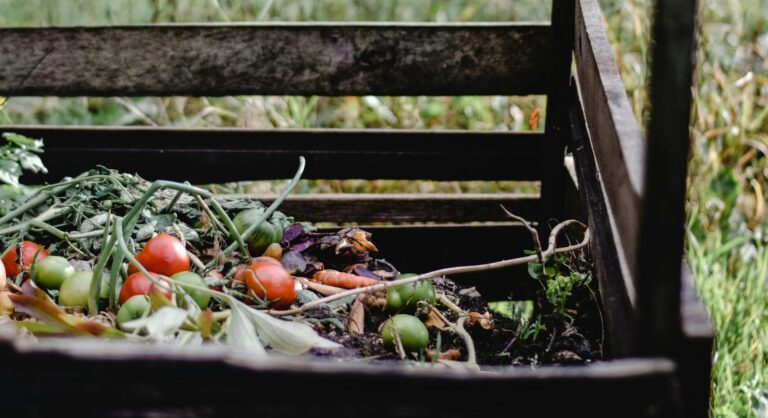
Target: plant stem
39,199
230,225
213,217
247,233
107,247
551,250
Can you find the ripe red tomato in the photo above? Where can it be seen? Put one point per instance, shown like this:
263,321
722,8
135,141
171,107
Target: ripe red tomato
163,254
138,284
271,282
28,250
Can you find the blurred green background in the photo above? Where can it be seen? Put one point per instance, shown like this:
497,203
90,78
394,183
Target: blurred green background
727,234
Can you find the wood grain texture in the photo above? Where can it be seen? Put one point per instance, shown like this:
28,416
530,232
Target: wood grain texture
553,186
670,324
407,208
618,311
613,131
154,377
223,155
276,58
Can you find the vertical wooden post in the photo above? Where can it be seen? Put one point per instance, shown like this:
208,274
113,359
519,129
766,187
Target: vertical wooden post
554,175
663,206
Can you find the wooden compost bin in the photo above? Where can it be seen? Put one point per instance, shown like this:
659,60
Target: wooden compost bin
629,189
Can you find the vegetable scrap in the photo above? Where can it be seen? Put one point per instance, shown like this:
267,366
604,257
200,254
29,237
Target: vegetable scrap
110,255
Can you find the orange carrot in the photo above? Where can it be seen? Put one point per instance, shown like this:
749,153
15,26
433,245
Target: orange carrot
343,280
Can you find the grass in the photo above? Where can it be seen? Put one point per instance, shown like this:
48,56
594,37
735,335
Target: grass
727,244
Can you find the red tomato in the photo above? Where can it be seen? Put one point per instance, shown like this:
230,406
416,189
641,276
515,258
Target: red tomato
271,282
138,284
28,250
163,254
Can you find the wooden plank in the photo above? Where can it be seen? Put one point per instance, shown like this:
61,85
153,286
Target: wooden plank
225,381
695,353
663,216
554,180
617,310
613,131
422,248
359,208
223,155
276,58
672,322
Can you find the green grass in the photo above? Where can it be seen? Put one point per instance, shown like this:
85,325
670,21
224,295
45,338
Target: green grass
727,236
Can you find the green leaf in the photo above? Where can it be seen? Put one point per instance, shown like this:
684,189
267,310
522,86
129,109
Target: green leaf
254,329
10,172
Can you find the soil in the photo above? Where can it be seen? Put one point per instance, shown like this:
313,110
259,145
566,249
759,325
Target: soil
561,340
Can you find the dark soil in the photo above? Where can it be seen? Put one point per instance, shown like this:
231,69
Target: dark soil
574,339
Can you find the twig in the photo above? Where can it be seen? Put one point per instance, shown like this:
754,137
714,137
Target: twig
458,328
398,344
356,319
196,261
550,251
534,232
213,217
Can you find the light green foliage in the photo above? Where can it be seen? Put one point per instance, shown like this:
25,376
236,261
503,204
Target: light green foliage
560,288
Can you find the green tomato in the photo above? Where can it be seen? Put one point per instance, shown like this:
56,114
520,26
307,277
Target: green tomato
133,308
406,298
74,290
412,332
201,298
52,271
266,233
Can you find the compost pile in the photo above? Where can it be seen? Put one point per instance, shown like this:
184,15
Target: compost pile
111,255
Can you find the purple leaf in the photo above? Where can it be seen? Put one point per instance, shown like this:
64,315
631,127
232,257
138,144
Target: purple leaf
364,272
293,262
292,232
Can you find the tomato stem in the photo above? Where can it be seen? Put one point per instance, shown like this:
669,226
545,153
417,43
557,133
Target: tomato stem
230,226
271,209
107,247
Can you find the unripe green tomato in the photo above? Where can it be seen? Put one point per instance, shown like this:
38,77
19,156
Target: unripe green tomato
266,233
74,290
412,332
406,298
201,298
133,308
52,271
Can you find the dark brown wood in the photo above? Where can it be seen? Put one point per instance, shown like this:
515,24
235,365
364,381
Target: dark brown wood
162,382
222,155
695,352
276,58
555,176
422,248
406,208
614,134
618,312
663,210
662,330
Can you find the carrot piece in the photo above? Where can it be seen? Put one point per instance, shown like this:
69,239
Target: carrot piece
343,280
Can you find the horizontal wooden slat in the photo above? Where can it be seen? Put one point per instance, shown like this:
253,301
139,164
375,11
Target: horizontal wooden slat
613,131
225,381
276,58
395,208
221,155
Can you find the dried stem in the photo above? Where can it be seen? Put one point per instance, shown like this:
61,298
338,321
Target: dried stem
534,232
550,251
458,328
